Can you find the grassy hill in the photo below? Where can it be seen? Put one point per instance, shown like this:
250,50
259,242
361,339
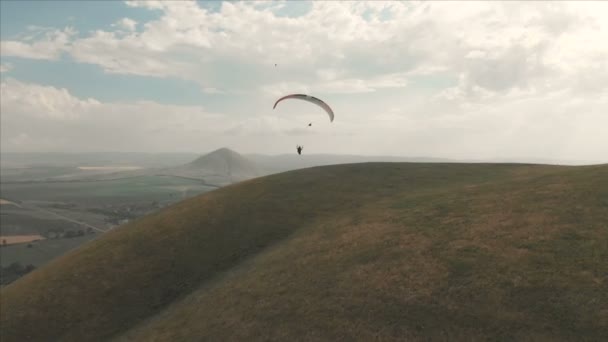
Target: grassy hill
270,164
358,252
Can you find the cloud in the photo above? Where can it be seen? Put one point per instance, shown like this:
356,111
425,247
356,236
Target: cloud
347,45
454,79
328,84
149,4
6,67
126,24
211,90
555,125
281,88
50,46
258,126
122,55
37,118
41,102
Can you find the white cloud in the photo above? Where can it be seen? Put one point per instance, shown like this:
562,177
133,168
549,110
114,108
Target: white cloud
328,84
41,102
150,4
211,90
349,86
6,67
126,24
388,68
36,117
122,55
496,46
278,89
258,126
52,44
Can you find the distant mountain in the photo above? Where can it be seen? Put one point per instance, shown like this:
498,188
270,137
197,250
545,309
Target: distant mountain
224,161
222,166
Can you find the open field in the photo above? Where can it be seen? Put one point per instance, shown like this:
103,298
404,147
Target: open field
66,194
374,251
5,202
18,239
97,204
52,159
35,219
58,208
109,168
41,252
35,173
144,188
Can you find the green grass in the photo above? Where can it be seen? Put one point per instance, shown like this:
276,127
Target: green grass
105,191
373,251
41,251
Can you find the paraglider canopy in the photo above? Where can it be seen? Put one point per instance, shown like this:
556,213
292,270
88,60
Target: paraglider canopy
311,99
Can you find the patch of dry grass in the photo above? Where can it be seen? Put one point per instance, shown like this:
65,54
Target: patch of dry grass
15,239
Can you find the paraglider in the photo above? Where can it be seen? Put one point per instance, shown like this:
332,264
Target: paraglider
310,99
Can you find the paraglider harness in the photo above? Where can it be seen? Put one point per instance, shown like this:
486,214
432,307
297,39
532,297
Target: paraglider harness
300,148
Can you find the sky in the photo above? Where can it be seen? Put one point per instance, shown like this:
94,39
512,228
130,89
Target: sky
474,79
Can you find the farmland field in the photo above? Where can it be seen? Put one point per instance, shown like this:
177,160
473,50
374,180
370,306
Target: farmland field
40,252
18,239
68,213
133,189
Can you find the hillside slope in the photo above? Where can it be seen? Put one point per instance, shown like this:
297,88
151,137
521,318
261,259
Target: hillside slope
364,251
270,164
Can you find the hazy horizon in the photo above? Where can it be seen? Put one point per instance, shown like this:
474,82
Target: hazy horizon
186,157
455,80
